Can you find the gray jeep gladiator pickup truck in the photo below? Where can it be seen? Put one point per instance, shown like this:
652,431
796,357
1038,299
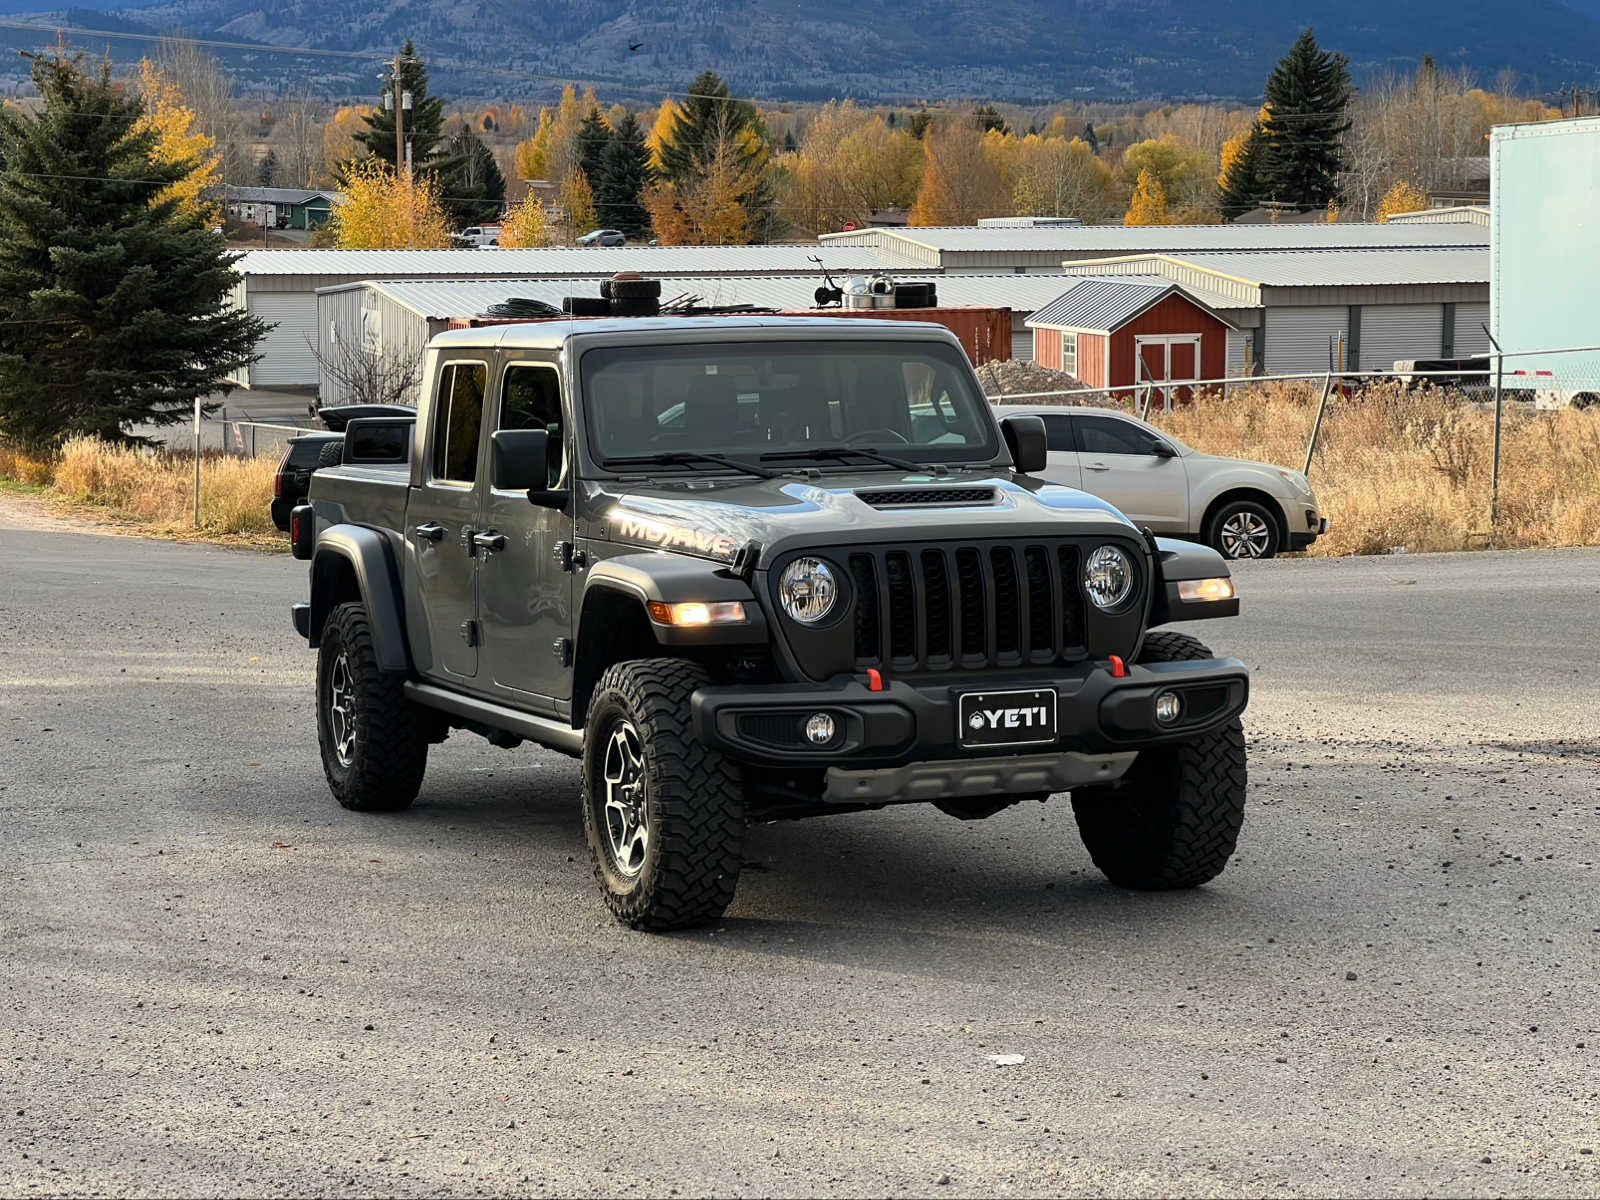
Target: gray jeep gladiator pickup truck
751,568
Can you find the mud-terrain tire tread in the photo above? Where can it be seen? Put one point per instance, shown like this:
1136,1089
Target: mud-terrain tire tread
696,795
392,734
1197,823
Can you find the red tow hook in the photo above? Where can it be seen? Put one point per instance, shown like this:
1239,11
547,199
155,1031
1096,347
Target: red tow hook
1119,669
874,680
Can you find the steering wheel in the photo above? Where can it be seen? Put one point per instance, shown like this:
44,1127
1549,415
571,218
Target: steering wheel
877,435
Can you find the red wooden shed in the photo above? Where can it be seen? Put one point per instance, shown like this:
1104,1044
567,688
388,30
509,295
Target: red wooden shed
1118,334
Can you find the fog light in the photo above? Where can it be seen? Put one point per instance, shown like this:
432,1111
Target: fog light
1169,707
819,729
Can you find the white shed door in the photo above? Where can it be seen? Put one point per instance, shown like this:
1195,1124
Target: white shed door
1298,338
1391,332
287,355
1471,340
1021,342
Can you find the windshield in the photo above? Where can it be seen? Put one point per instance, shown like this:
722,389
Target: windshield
785,400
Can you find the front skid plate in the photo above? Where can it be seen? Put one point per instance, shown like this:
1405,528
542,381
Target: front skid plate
1014,775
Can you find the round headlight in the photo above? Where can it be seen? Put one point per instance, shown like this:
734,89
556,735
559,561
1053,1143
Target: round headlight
1108,577
807,590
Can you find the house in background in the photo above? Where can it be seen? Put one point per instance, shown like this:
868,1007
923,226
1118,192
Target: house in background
280,208
1118,334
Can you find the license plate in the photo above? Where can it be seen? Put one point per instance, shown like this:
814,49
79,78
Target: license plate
1006,718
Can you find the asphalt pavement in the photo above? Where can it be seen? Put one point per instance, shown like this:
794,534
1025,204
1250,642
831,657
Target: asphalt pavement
215,981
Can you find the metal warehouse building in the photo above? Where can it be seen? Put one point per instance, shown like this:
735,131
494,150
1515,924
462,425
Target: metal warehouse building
280,286
1315,310
998,249
395,318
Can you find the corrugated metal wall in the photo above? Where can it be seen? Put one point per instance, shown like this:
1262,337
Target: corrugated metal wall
1390,332
287,355
1021,342
1237,339
1297,338
364,319
1470,336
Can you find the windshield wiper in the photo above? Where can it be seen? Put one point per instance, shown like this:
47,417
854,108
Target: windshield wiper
840,451
689,458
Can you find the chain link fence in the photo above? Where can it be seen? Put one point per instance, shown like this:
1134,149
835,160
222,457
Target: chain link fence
1499,451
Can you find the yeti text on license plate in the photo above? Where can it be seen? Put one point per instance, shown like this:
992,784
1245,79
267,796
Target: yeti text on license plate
1007,718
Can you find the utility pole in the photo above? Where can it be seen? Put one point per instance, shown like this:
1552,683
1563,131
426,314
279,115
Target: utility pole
400,158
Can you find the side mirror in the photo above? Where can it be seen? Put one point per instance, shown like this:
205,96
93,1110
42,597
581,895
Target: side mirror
1025,439
1162,450
519,459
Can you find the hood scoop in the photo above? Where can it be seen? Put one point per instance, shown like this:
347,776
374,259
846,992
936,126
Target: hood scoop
927,497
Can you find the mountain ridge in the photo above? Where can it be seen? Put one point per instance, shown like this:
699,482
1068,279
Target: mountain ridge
1029,50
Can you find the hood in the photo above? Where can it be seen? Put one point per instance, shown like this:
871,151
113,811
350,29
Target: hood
717,519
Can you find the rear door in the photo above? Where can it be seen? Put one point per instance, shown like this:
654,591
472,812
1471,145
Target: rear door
442,514
1061,452
1120,464
524,590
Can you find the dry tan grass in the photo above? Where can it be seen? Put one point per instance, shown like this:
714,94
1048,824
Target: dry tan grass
155,490
1397,468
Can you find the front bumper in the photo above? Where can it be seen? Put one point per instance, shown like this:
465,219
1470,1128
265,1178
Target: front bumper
1311,526
915,721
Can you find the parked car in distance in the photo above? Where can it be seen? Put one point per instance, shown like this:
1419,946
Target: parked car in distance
303,456
603,237
1240,508
479,235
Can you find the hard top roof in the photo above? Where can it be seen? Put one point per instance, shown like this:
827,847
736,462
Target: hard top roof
553,334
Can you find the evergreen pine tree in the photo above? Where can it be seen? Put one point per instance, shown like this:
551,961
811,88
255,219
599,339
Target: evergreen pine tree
707,120
1089,136
1307,95
424,121
267,170
114,305
593,137
624,174
1240,190
472,189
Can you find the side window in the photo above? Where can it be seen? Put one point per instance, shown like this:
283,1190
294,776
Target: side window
1108,435
531,399
1057,432
458,417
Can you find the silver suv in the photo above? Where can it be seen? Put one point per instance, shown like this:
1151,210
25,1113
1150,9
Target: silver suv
1241,508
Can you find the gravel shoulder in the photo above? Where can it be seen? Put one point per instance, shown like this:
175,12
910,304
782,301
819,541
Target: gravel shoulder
216,981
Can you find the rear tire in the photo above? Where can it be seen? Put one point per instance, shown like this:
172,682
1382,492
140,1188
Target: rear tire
374,741
1173,820
663,814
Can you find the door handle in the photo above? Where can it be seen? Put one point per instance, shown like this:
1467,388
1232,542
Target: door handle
488,540
430,531
1096,467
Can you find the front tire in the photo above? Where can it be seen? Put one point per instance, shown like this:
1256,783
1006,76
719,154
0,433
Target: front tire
662,813
1244,529
374,741
1173,820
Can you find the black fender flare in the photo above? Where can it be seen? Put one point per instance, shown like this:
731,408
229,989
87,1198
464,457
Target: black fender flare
1175,561
367,555
670,578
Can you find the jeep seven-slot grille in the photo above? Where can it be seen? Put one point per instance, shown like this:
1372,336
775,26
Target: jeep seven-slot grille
1005,604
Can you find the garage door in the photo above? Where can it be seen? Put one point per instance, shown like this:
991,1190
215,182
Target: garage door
287,357
1470,337
1298,338
1021,341
1391,332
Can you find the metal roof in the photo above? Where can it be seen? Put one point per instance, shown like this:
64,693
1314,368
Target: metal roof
1315,268
1167,239
273,195
442,299
1104,305
1477,214
596,261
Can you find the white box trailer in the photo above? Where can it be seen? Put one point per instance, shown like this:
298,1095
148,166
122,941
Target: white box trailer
1544,257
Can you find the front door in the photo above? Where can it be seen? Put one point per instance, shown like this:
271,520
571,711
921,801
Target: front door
441,517
1061,454
1120,464
525,590
1163,362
